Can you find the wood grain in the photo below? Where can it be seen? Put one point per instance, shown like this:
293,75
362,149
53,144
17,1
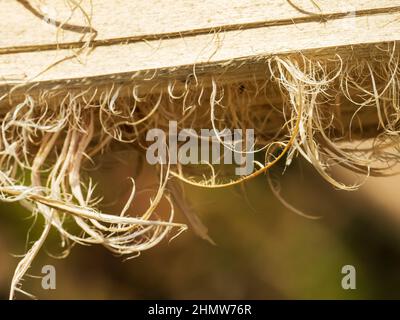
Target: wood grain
138,38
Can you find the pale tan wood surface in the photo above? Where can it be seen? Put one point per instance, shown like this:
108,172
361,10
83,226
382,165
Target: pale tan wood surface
138,38
119,19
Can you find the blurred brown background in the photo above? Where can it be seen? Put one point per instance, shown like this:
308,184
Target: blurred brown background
263,251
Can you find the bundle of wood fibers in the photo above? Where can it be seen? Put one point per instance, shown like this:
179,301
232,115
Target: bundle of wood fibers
80,79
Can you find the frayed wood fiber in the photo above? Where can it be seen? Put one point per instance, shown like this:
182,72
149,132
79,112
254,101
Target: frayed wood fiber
319,79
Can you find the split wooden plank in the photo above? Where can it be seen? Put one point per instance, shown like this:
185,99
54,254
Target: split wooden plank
202,50
174,57
30,24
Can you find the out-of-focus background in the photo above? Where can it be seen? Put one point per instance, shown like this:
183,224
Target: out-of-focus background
262,251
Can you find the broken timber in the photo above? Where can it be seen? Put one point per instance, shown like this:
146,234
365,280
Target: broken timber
170,39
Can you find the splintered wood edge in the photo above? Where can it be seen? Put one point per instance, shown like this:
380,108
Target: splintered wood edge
231,55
